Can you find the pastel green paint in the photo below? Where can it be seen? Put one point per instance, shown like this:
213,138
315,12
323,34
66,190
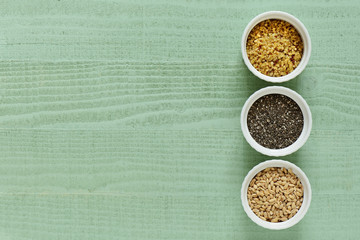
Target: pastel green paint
120,120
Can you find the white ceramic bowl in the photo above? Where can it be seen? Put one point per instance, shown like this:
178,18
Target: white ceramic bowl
305,111
306,199
299,26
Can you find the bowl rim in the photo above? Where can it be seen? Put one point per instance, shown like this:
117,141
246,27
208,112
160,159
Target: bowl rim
299,26
306,199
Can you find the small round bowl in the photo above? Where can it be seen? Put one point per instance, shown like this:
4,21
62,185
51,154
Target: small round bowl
306,198
304,109
299,26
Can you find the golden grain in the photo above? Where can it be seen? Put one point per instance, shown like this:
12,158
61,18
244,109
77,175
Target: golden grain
274,47
275,194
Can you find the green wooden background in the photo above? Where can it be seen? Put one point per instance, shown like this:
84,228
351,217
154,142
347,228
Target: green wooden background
120,119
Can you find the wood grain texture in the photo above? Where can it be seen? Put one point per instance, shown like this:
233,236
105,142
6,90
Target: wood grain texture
195,31
120,120
160,95
157,162
95,216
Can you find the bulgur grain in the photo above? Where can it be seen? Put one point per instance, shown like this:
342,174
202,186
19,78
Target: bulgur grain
274,47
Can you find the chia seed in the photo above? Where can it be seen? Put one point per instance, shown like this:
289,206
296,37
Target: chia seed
275,121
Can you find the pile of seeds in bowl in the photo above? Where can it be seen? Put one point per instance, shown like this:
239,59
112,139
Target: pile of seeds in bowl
274,47
275,121
275,194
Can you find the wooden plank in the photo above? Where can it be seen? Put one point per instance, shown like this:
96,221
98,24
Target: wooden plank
158,162
165,30
160,95
97,216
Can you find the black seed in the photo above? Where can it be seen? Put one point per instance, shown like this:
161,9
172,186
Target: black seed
275,121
